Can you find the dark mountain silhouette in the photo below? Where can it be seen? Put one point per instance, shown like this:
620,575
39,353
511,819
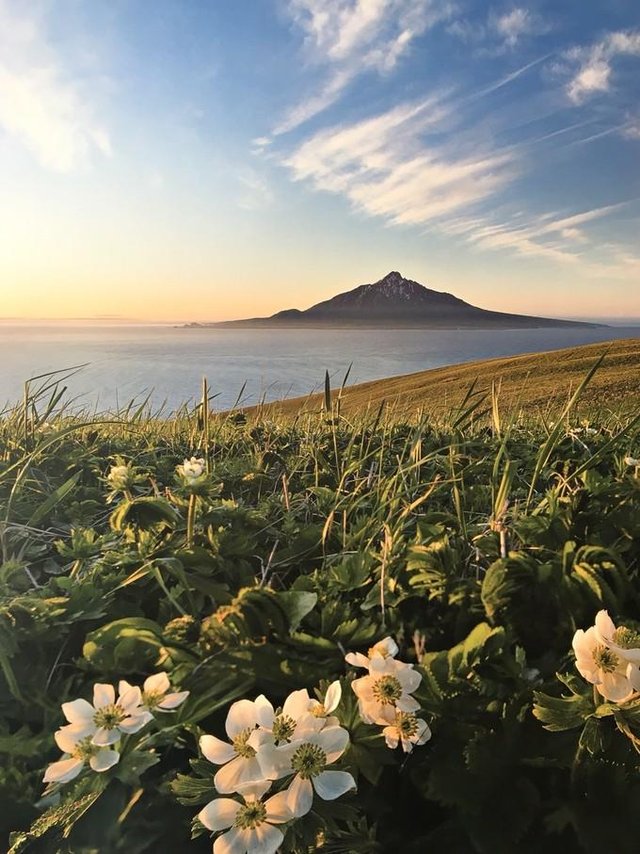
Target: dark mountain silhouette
397,302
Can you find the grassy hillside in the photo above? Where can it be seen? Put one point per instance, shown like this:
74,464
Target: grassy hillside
534,383
232,558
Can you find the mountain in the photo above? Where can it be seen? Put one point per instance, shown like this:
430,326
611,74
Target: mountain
397,302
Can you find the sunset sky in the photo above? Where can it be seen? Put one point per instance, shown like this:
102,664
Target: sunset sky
211,159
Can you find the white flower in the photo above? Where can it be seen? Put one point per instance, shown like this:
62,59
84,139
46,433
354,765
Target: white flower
406,729
293,722
330,704
108,718
240,765
192,469
119,477
631,461
386,689
154,693
624,642
252,823
307,760
386,648
77,751
614,677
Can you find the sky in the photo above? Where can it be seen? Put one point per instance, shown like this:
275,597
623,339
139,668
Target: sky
207,160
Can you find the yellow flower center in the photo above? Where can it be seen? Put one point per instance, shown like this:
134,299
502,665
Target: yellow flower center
240,744
605,659
309,760
626,638
283,729
250,816
407,724
152,699
108,717
84,749
387,690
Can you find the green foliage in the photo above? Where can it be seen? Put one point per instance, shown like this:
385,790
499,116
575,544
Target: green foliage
481,550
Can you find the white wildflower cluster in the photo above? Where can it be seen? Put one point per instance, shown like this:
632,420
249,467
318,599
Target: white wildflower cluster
631,461
290,748
93,733
609,658
385,695
120,477
192,469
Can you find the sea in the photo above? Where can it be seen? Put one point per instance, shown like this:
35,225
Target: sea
117,364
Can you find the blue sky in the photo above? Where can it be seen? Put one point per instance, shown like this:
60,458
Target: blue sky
206,160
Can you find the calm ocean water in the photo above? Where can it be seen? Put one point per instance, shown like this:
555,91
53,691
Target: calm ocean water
126,362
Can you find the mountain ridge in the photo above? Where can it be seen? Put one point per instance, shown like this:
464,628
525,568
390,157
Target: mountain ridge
395,301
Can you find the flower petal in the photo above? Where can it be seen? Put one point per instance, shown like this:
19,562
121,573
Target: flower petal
391,736
265,712
331,784
172,701
78,711
275,762
407,703
633,675
409,678
254,791
157,684
357,659
297,704
300,796
242,715
63,770
278,808
604,626
130,700
333,741
237,773
615,687
134,723
386,647
266,839
306,726
104,737
219,814
103,695
215,750
68,736
231,842
332,697
104,759
123,687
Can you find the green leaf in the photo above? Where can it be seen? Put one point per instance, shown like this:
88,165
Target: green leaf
565,712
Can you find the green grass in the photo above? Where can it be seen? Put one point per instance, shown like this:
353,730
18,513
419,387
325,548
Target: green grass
479,541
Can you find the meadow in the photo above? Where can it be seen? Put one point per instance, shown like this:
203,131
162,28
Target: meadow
248,553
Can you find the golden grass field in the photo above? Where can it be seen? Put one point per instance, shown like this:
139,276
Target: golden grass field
531,384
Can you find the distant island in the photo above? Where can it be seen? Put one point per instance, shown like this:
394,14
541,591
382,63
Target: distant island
399,303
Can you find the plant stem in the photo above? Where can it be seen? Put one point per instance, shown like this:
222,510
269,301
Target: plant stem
191,519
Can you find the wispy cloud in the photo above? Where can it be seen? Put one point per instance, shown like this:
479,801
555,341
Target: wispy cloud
384,166
498,33
593,66
40,105
256,192
631,130
561,239
515,24
351,37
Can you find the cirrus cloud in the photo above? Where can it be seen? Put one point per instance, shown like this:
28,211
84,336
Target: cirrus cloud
40,105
